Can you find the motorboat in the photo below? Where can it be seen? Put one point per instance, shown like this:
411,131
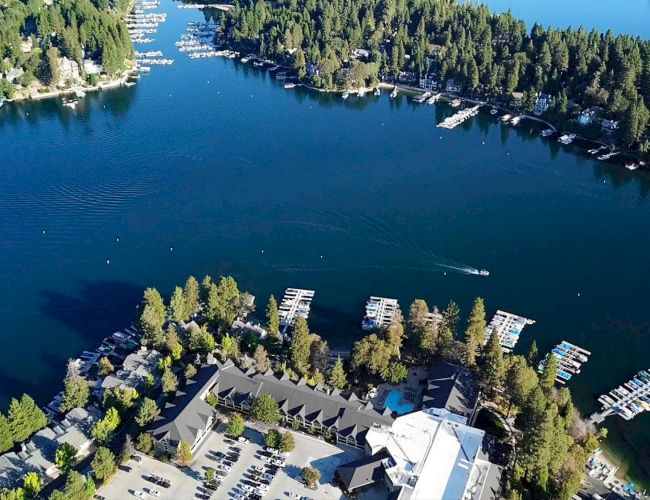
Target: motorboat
483,272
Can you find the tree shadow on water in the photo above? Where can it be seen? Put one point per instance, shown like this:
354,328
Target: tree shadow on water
97,309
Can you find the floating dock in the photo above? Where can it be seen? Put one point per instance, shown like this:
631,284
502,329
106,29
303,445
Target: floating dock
569,358
458,118
380,312
508,327
296,303
627,400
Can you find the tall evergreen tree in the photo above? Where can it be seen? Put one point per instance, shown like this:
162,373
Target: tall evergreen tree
475,333
300,346
547,380
178,305
6,437
493,369
191,293
338,378
273,318
533,355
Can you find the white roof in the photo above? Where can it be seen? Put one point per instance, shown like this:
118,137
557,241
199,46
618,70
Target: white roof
433,454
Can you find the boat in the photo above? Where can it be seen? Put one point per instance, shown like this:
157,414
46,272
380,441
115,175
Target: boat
129,84
345,95
483,272
2,101
361,92
289,85
567,138
456,103
258,64
377,91
393,94
79,93
515,120
244,60
631,166
71,104
494,111
506,118
547,132
597,150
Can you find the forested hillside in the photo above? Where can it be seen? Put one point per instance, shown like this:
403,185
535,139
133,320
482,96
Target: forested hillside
488,54
34,34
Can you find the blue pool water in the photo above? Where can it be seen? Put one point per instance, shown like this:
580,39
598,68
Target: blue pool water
392,402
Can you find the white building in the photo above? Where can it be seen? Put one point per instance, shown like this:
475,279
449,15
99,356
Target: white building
430,454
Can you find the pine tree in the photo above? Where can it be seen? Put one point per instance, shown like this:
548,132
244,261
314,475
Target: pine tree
6,437
191,293
451,317
152,316
533,355
338,377
103,464
475,334
547,379
493,367
178,306
261,358
300,346
273,319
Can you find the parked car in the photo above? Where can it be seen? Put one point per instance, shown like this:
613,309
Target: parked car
138,493
258,468
155,493
265,458
125,468
219,454
137,458
243,440
278,463
247,487
293,495
270,450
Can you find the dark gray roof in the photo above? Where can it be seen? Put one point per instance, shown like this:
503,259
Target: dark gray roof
187,414
350,416
362,472
451,387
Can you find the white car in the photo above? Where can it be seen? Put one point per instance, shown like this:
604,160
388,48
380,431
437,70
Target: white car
262,487
155,493
293,495
223,467
138,494
278,463
247,487
270,450
258,468
243,439
260,493
264,458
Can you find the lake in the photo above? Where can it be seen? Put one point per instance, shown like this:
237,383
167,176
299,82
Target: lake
209,166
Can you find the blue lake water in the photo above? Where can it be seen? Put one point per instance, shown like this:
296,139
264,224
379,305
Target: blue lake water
209,166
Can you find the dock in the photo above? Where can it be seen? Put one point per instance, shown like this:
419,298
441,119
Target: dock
569,358
627,400
458,118
296,303
380,312
508,327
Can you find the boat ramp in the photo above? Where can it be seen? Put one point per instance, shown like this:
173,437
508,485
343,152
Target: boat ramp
380,312
569,359
508,327
458,118
295,303
627,400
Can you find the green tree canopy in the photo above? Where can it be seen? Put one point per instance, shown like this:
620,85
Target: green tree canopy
236,425
265,409
338,377
64,456
147,411
273,318
103,464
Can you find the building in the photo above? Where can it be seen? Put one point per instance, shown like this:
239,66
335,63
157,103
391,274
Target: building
609,126
242,329
69,70
451,387
429,454
91,67
590,115
363,54
516,98
136,369
453,87
542,104
188,417
428,81
37,454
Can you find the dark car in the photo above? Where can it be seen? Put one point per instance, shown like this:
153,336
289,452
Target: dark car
125,468
218,454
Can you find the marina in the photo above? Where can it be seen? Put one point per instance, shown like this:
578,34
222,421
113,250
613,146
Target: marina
380,312
569,359
508,327
627,400
140,24
296,303
458,118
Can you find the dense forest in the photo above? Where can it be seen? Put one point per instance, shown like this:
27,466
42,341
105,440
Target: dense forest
34,34
489,55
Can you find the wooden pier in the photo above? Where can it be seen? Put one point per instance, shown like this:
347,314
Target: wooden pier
627,400
380,312
508,327
458,118
295,303
569,359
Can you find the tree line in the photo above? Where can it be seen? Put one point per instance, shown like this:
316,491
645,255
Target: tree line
488,54
72,28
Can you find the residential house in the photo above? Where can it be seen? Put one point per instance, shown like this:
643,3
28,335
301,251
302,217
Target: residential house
609,126
516,98
542,104
428,81
453,87
241,329
91,67
69,71
38,453
135,370
429,454
361,54
590,115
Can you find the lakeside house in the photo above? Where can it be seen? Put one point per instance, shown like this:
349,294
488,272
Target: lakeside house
240,328
37,454
423,455
136,369
590,115
453,87
609,126
453,388
516,98
542,103
428,81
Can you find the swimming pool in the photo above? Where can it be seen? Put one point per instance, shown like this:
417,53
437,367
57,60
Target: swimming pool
392,403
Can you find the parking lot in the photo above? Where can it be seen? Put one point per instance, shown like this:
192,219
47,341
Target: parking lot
188,482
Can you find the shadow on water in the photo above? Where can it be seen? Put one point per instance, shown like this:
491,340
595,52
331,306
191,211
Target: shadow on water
96,310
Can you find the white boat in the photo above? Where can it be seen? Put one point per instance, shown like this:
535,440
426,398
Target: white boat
494,111
129,84
516,120
244,60
79,93
483,272
377,91
2,101
631,166
345,95
70,104
506,118
547,132
393,94
289,85
567,138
